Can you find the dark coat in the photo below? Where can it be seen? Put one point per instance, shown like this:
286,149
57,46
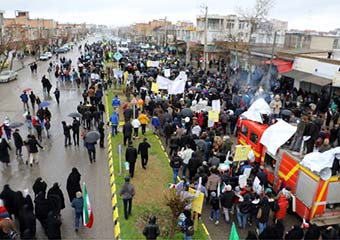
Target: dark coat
33,145
4,155
151,230
29,219
127,129
55,190
17,140
131,154
39,186
54,223
193,164
73,184
143,148
176,162
227,199
41,209
8,196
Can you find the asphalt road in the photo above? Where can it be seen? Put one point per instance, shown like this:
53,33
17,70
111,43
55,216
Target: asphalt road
56,161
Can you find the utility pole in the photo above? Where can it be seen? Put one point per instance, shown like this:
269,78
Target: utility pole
187,53
272,55
166,33
206,38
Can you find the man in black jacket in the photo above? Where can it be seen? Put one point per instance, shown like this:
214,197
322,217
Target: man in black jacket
127,131
75,130
151,230
18,142
131,157
143,151
227,201
67,133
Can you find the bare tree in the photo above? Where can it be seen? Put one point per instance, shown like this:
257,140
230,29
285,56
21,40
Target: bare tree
256,14
177,205
11,41
6,43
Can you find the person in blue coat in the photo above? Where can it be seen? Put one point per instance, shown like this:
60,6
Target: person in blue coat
24,99
77,204
114,119
156,124
115,102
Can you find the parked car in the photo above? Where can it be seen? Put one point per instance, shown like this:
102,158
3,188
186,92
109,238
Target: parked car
6,76
61,50
44,57
49,54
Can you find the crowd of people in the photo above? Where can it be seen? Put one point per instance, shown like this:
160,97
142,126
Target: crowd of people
198,147
18,209
46,207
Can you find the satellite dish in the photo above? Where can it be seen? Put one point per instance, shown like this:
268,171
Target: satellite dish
325,174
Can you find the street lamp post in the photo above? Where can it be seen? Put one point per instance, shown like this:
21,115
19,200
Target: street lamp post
206,38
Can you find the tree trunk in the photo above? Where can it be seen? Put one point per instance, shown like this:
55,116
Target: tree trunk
173,227
12,59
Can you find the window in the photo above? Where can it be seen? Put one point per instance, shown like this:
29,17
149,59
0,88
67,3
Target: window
269,162
244,130
230,24
253,137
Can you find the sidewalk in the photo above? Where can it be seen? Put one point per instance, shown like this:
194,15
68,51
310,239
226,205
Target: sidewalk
28,60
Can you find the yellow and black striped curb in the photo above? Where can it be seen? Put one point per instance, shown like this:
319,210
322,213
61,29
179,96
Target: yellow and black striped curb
178,178
115,215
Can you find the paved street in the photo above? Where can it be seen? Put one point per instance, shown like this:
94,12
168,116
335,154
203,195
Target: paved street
56,161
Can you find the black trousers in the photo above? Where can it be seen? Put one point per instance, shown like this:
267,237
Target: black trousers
127,207
132,168
76,138
101,140
92,154
145,159
143,128
126,139
68,139
135,132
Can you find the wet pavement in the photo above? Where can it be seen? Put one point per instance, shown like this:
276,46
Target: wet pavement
56,161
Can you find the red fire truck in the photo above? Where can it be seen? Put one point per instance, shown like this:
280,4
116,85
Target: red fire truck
315,199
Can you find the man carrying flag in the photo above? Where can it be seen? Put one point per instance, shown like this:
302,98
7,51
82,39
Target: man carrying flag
87,210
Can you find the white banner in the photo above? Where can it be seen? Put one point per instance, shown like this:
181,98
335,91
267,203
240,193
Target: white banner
216,105
182,76
176,87
167,72
260,106
276,135
317,161
163,83
150,63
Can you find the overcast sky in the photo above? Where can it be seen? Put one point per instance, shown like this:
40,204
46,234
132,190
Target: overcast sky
320,15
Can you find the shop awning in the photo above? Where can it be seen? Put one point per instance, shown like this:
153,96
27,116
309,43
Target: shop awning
281,65
317,80
307,77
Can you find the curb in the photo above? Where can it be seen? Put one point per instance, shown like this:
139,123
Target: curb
178,178
115,215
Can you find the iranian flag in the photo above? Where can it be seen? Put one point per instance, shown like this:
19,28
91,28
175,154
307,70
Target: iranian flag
87,210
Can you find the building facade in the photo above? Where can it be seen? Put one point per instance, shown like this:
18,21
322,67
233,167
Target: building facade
312,40
223,28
